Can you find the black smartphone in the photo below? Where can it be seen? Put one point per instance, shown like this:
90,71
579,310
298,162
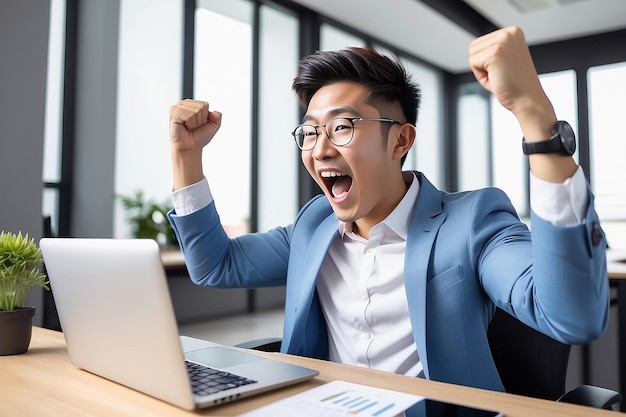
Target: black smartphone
433,408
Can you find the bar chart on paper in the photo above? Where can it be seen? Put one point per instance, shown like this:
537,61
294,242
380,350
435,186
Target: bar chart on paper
356,403
339,399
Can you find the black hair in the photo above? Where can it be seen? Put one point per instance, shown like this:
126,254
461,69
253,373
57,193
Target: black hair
388,81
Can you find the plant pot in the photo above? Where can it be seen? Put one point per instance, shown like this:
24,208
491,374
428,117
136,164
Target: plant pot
16,327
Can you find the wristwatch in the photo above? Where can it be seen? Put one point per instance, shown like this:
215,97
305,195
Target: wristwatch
563,141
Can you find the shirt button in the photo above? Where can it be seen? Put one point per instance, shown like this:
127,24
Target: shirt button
364,297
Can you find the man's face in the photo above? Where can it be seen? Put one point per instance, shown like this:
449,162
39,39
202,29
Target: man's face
355,178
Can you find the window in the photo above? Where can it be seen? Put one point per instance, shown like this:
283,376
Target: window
223,77
561,89
54,110
149,70
474,138
332,38
264,157
510,166
426,155
278,156
502,142
607,148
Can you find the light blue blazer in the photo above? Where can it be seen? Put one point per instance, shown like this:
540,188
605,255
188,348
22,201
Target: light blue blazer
466,254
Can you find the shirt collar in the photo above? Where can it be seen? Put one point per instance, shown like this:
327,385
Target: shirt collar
398,220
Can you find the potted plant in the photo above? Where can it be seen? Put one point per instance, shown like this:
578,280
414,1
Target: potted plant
148,219
20,262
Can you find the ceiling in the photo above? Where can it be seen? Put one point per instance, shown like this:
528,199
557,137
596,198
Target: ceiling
434,36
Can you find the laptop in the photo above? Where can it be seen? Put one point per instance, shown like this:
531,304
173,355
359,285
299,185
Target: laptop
115,311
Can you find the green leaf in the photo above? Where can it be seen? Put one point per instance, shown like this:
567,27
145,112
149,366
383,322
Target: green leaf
20,262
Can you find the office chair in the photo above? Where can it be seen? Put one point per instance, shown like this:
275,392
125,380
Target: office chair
529,362
535,365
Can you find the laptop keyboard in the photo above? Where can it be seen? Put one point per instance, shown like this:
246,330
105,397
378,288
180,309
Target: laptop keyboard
205,380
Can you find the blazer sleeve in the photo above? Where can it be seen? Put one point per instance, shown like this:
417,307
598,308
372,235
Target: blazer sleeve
213,259
553,279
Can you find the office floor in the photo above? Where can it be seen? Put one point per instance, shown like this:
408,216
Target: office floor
236,329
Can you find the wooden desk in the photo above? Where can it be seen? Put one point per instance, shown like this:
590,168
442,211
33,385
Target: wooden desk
44,382
616,263
172,258
616,268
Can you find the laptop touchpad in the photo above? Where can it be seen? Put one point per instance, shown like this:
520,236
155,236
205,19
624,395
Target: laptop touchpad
217,357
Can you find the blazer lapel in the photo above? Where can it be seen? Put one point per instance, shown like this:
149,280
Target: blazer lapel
426,220
316,253
298,325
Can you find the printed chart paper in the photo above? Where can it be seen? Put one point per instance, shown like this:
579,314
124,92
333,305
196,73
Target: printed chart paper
339,399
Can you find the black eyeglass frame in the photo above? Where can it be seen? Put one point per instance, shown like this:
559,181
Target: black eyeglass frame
350,119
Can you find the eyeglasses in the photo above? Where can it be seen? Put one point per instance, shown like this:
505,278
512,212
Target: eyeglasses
339,131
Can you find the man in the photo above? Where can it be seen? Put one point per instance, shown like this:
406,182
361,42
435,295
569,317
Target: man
385,270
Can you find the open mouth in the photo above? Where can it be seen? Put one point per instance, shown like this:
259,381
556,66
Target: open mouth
338,183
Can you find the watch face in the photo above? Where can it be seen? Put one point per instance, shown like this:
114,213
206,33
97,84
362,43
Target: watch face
568,139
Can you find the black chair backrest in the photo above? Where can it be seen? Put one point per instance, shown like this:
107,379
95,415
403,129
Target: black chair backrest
529,362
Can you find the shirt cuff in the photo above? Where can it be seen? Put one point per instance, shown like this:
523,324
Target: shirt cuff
562,204
192,198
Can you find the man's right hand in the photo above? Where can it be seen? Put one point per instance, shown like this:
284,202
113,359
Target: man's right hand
192,127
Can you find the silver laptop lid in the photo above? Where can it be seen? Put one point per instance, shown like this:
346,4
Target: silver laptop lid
116,313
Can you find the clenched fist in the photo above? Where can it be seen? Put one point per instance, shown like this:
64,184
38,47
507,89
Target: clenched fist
192,125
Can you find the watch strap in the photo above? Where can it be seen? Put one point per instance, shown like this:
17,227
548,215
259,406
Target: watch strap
551,145
562,141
